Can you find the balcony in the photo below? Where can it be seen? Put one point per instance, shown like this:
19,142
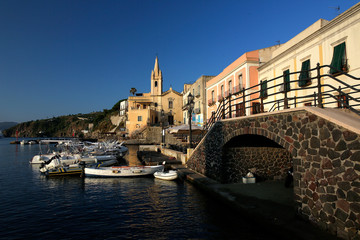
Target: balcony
238,89
211,102
228,94
220,98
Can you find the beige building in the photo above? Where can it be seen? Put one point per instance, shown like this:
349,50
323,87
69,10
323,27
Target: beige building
154,108
229,84
333,43
197,90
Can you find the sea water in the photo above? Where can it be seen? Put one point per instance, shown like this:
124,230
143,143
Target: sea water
35,207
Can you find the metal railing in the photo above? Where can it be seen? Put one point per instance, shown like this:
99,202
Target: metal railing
258,98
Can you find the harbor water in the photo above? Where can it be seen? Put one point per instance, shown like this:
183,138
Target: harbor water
35,207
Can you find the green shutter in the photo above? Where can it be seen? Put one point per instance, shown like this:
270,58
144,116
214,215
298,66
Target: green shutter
304,77
337,60
287,80
263,91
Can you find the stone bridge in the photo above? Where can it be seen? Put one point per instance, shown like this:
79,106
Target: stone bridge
322,146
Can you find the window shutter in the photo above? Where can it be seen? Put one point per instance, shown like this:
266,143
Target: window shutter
263,91
304,77
287,80
337,60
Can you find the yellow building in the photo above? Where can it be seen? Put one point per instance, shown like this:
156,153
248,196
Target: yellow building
154,108
292,70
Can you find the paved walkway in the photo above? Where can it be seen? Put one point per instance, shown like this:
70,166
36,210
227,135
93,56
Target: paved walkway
267,203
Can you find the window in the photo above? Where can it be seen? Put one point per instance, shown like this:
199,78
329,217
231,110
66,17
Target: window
339,61
286,80
170,104
139,118
212,96
230,84
222,91
240,83
155,83
263,90
198,91
156,104
256,107
304,77
240,110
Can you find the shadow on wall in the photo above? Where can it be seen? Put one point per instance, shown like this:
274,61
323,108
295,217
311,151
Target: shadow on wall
257,154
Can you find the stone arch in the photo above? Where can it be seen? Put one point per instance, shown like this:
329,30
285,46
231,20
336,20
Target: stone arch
267,159
326,158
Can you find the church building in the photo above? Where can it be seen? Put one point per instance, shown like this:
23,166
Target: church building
154,108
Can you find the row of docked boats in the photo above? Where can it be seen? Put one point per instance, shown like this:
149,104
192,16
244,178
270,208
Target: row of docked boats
92,160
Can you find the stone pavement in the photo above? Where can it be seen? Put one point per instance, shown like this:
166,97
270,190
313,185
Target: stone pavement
268,204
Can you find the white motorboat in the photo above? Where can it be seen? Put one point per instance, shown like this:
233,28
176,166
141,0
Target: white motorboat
169,175
58,161
122,171
57,168
45,157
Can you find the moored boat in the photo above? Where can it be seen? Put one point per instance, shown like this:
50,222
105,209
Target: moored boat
122,171
73,169
169,175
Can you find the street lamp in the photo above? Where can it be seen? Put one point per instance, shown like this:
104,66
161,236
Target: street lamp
190,106
162,126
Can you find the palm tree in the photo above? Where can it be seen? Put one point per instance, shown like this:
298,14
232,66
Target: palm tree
133,91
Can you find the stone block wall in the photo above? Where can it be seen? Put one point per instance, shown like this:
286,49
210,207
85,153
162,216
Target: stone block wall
325,156
267,163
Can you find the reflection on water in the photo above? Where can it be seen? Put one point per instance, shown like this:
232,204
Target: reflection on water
131,156
106,208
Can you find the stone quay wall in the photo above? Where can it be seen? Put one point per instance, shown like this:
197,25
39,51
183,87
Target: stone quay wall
326,161
265,162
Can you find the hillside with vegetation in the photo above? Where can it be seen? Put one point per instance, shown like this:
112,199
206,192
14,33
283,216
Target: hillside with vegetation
78,125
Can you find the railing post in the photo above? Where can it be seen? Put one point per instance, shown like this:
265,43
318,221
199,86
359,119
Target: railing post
261,98
285,92
230,107
295,102
319,86
315,99
340,100
223,108
244,101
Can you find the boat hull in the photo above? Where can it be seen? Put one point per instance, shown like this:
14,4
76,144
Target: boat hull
135,171
171,175
64,171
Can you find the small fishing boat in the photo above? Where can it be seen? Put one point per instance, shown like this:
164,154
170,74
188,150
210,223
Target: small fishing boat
74,169
170,175
57,165
122,171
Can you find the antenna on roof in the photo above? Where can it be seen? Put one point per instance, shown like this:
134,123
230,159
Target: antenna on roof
337,9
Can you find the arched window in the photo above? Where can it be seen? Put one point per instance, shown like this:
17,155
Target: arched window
155,83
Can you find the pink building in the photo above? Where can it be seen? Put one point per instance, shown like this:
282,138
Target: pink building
229,84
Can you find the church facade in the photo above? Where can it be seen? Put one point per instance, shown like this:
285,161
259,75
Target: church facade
155,108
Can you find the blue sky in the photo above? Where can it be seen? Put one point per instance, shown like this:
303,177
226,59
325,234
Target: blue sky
61,57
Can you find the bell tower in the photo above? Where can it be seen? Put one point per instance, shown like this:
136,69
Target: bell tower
156,79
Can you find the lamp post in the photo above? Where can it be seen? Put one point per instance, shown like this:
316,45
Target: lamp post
162,127
190,104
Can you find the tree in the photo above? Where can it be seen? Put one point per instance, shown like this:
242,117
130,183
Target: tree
133,91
